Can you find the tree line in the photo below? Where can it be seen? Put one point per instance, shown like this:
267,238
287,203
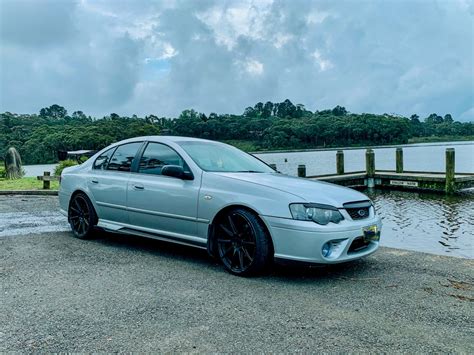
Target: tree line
268,125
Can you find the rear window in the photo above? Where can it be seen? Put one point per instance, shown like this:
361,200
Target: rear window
103,160
123,156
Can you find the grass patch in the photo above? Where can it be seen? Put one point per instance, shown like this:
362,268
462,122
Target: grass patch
25,183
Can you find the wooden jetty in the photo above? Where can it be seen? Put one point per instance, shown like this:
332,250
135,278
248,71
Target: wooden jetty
448,182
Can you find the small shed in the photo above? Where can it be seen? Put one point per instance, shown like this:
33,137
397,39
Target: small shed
75,154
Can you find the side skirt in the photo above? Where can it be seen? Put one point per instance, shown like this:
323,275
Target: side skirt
152,234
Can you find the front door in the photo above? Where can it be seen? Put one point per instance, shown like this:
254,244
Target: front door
163,204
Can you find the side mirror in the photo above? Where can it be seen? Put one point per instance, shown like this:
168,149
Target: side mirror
177,172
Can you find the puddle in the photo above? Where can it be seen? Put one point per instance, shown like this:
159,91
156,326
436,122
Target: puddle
22,223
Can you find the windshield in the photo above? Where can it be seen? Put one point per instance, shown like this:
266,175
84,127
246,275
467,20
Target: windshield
219,157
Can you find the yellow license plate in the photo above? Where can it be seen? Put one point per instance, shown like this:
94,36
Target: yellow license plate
371,233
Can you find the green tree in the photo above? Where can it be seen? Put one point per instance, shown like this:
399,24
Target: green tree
448,118
339,111
434,119
53,111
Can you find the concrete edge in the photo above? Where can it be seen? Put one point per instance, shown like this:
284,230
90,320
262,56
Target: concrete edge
30,192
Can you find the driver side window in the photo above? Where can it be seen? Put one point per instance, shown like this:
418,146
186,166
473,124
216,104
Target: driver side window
157,155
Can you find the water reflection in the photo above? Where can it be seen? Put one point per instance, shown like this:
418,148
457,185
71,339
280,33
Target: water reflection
427,222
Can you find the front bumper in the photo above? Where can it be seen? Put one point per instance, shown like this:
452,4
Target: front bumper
302,241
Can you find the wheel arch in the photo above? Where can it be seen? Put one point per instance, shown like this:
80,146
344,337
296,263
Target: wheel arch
211,244
78,191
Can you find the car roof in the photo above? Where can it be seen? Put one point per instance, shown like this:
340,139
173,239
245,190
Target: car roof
166,139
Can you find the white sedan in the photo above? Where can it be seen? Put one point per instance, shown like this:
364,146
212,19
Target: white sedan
211,195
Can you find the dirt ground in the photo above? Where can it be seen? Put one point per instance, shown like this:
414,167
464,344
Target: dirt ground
123,293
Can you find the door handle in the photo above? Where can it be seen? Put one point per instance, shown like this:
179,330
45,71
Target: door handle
94,181
138,187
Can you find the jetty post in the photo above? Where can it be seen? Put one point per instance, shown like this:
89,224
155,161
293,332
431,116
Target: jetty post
340,162
399,160
301,170
370,167
450,171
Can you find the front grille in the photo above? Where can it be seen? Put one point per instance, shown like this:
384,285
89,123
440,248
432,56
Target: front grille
357,245
358,213
358,210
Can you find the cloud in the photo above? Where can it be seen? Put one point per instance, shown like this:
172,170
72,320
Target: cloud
36,24
220,56
323,64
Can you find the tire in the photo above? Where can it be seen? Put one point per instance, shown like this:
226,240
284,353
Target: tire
82,216
243,245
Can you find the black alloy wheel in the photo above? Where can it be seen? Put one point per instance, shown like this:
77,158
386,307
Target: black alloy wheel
243,244
82,216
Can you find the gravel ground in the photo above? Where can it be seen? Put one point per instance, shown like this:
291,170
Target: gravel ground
121,293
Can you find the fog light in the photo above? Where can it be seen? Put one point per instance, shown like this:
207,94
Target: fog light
326,250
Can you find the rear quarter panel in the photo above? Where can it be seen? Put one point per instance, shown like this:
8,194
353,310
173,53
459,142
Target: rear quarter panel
73,179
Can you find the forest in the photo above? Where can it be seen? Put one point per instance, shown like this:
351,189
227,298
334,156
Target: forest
265,126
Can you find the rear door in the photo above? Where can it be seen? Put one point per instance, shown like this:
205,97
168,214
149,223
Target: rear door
164,204
108,181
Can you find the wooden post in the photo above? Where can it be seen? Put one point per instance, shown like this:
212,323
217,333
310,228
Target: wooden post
46,182
340,162
273,166
450,170
302,170
399,160
370,167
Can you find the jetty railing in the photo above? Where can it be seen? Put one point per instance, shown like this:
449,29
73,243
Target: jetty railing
448,182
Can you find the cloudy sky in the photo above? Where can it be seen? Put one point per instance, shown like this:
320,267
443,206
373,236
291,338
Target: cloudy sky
162,57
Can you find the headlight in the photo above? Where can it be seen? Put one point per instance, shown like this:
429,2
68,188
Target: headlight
321,214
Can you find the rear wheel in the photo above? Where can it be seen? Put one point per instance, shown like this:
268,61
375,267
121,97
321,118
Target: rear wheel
82,216
243,244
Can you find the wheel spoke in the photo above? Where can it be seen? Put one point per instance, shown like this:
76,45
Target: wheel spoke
246,253
226,230
224,241
75,210
232,225
241,259
247,242
227,250
76,203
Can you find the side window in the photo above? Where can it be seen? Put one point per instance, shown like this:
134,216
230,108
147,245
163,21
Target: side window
157,155
103,159
123,157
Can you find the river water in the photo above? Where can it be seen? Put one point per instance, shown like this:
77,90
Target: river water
417,157
425,222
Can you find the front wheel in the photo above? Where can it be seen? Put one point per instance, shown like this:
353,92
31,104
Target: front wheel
82,216
243,244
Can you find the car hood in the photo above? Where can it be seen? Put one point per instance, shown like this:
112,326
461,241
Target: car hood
304,189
